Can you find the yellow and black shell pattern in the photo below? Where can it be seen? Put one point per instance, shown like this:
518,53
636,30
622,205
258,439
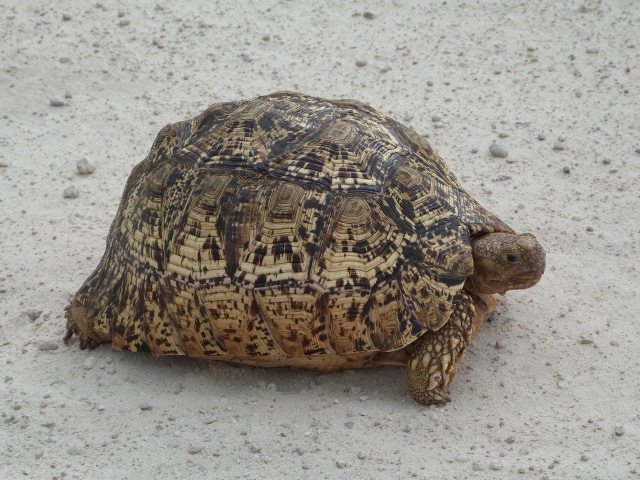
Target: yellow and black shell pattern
284,226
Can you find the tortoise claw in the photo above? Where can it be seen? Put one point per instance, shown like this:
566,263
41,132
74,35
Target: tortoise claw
77,324
67,336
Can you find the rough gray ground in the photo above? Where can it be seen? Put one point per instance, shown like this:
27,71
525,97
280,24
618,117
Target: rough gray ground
549,389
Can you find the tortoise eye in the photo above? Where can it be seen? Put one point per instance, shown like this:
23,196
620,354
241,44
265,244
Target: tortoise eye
512,258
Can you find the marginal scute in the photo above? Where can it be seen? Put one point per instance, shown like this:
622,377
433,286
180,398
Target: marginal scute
293,316
348,331
389,320
285,228
428,295
233,312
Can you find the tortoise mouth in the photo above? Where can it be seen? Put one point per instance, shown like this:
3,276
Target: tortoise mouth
477,284
523,282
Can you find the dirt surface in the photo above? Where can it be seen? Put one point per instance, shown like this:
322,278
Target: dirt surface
550,387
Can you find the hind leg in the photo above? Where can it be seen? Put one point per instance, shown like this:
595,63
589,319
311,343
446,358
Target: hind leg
80,325
434,357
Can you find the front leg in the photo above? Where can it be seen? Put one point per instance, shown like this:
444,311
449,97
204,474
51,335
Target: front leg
434,357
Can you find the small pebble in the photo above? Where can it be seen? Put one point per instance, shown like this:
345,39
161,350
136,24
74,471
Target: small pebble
562,138
499,345
498,150
566,170
589,229
46,344
462,458
66,17
495,465
584,458
33,314
558,146
436,118
503,135
586,341
369,15
254,448
511,439
246,57
474,150
64,59
272,387
408,117
193,449
592,50
542,136
341,464
124,22
56,101
361,63
606,161
619,431
85,167
614,343
145,406
71,192
362,455
89,363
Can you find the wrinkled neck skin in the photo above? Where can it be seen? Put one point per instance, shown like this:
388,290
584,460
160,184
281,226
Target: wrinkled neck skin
505,261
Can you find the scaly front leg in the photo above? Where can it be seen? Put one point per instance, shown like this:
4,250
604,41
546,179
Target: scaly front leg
434,357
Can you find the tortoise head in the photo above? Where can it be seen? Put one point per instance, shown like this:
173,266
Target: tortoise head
505,261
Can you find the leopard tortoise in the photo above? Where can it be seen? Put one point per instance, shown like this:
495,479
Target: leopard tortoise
288,230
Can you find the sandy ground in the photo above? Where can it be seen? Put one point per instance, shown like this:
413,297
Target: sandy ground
550,387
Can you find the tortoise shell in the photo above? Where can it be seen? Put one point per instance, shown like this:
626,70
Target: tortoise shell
285,226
